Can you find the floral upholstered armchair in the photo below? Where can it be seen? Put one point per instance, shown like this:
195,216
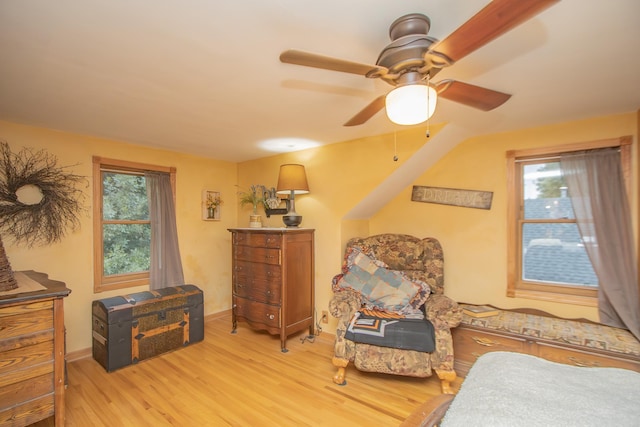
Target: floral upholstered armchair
389,285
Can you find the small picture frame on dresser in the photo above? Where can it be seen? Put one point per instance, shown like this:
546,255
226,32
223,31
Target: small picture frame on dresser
211,203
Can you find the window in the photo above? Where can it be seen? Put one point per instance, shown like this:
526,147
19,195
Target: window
122,226
546,254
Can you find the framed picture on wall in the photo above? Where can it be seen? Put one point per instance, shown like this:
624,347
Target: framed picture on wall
211,203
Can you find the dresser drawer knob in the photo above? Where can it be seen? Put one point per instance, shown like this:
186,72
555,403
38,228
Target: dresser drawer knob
485,342
583,363
271,316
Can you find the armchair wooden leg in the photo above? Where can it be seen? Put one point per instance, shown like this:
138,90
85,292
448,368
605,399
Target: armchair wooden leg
446,378
341,364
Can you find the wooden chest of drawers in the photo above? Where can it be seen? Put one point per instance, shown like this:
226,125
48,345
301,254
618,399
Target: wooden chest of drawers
471,341
272,283
32,352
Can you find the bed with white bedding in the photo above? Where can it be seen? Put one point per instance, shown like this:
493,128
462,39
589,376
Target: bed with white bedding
513,389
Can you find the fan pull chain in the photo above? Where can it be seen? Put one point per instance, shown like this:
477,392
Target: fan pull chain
428,103
395,147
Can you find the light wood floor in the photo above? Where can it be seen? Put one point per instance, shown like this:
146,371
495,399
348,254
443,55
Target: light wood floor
239,380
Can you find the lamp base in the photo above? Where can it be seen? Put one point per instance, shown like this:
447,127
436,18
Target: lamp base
292,220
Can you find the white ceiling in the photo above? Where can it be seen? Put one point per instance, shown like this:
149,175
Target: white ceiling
203,76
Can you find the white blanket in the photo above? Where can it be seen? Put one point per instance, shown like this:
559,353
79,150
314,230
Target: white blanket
512,389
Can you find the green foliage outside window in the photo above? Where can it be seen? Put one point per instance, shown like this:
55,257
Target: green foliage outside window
124,197
126,227
550,185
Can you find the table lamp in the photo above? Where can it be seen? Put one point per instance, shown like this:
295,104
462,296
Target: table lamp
292,180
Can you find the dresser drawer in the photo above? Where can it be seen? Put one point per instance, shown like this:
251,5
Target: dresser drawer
581,358
261,255
257,289
26,390
470,344
29,411
259,271
257,240
257,281
255,312
23,363
25,320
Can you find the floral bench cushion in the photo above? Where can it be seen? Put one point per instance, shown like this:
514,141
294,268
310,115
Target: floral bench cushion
585,334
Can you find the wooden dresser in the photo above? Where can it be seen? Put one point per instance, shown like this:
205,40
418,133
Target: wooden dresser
575,342
273,279
32,351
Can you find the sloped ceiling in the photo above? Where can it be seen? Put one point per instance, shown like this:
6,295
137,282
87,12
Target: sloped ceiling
203,77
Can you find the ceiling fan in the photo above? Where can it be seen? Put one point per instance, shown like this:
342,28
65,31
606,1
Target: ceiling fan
413,58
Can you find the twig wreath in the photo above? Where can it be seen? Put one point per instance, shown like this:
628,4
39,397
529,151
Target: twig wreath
42,221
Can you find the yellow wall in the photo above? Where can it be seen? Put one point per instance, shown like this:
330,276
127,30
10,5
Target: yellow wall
340,176
475,240
204,245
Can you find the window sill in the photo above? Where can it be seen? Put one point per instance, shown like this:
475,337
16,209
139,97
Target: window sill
123,284
554,297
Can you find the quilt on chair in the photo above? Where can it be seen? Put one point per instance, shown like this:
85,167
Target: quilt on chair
391,316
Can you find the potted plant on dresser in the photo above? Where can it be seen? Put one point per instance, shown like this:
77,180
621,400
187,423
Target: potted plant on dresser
254,197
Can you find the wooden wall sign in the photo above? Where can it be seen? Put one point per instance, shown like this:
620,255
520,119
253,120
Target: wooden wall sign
452,196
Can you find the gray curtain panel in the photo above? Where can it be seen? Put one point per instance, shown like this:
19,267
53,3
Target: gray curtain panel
166,267
598,194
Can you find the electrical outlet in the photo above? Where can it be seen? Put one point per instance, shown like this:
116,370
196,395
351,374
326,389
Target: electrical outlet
325,317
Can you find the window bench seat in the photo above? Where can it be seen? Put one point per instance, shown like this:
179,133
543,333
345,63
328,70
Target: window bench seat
576,342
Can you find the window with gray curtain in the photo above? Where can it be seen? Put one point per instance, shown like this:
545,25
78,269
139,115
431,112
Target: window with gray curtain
127,198
597,190
165,264
547,257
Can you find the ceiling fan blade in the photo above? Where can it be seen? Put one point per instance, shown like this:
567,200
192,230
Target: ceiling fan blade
299,57
471,95
492,21
367,112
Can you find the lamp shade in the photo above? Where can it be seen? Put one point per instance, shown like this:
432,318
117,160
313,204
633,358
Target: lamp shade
411,104
292,178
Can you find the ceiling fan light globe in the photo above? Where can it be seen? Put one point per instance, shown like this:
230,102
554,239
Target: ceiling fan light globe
411,104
